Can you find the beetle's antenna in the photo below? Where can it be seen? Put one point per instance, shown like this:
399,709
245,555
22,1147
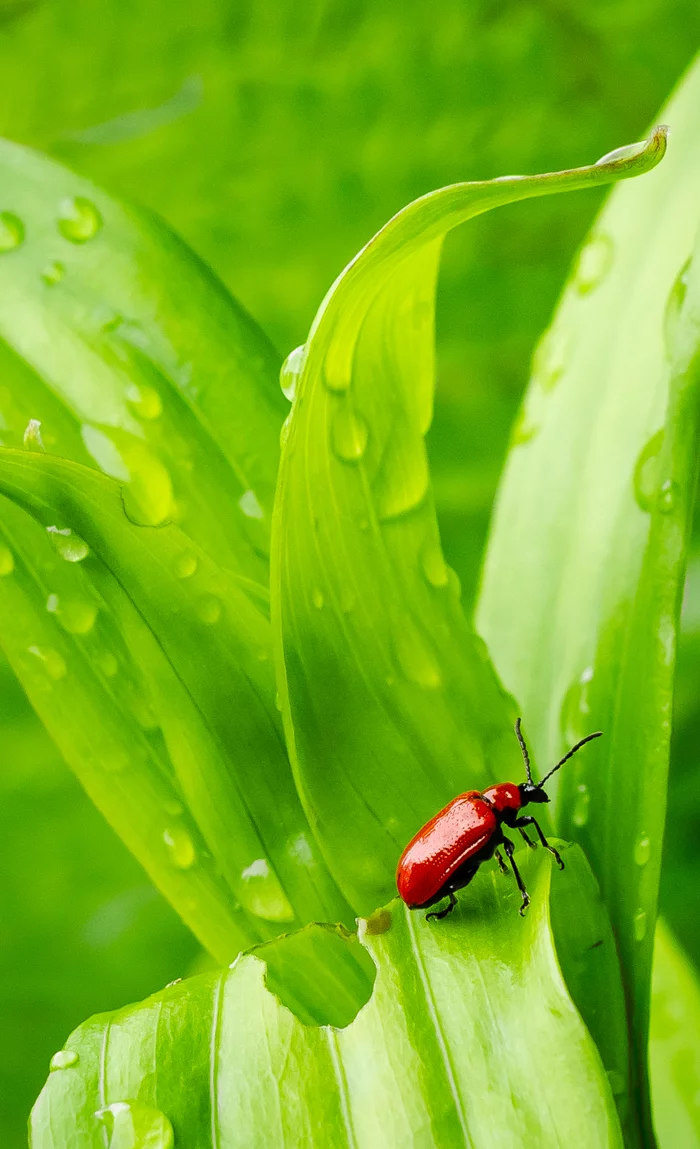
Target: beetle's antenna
523,747
572,751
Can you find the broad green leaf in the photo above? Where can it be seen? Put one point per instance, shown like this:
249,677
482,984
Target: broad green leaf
201,644
470,1038
674,1045
391,706
584,570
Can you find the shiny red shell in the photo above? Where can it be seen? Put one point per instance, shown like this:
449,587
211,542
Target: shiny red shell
445,842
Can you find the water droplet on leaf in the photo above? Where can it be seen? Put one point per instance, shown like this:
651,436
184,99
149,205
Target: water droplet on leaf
68,545
185,565
75,615
674,306
64,1059
668,496
262,894
108,664
593,264
78,219
523,430
337,369
433,564
131,1125
148,496
317,598
640,925
51,660
576,709
209,609
53,273
349,435
582,804
7,561
290,372
144,401
646,472
550,358
180,847
415,657
642,851
11,231
250,506
32,440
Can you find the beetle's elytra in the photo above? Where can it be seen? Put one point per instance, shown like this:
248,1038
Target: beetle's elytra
446,853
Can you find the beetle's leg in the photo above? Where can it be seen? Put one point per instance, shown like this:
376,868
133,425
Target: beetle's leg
510,850
528,841
436,915
528,820
502,866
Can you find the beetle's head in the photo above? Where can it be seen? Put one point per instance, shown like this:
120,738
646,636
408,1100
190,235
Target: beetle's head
531,792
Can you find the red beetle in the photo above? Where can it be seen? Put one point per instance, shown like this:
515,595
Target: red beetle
445,855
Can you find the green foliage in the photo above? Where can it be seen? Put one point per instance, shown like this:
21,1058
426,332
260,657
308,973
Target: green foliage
437,1058
590,533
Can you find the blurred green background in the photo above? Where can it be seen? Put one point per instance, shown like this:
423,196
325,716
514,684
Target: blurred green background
276,138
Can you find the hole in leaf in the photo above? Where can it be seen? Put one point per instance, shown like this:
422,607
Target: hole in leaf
322,974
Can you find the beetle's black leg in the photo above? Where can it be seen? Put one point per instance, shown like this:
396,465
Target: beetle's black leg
528,820
529,841
502,866
510,850
436,915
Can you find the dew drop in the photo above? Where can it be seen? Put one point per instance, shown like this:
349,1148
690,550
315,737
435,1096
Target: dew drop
53,273
646,472
285,429
262,894
668,496
144,401
433,564
185,565
640,925
278,701
32,440
551,357
67,544
593,264
582,804
148,496
7,561
349,435
250,506
642,851
11,231
523,431
180,847
290,372
209,609
131,1125
674,306
75,615
415,658
78,219
64,1059
53,663
576,709
317,598
628,152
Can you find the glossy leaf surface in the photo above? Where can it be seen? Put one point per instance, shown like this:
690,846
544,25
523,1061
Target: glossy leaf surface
469,1038
584,571
381,676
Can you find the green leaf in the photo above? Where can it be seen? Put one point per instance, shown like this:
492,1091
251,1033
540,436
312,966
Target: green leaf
674,1045
229,760
469,1038
585,564
390,704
